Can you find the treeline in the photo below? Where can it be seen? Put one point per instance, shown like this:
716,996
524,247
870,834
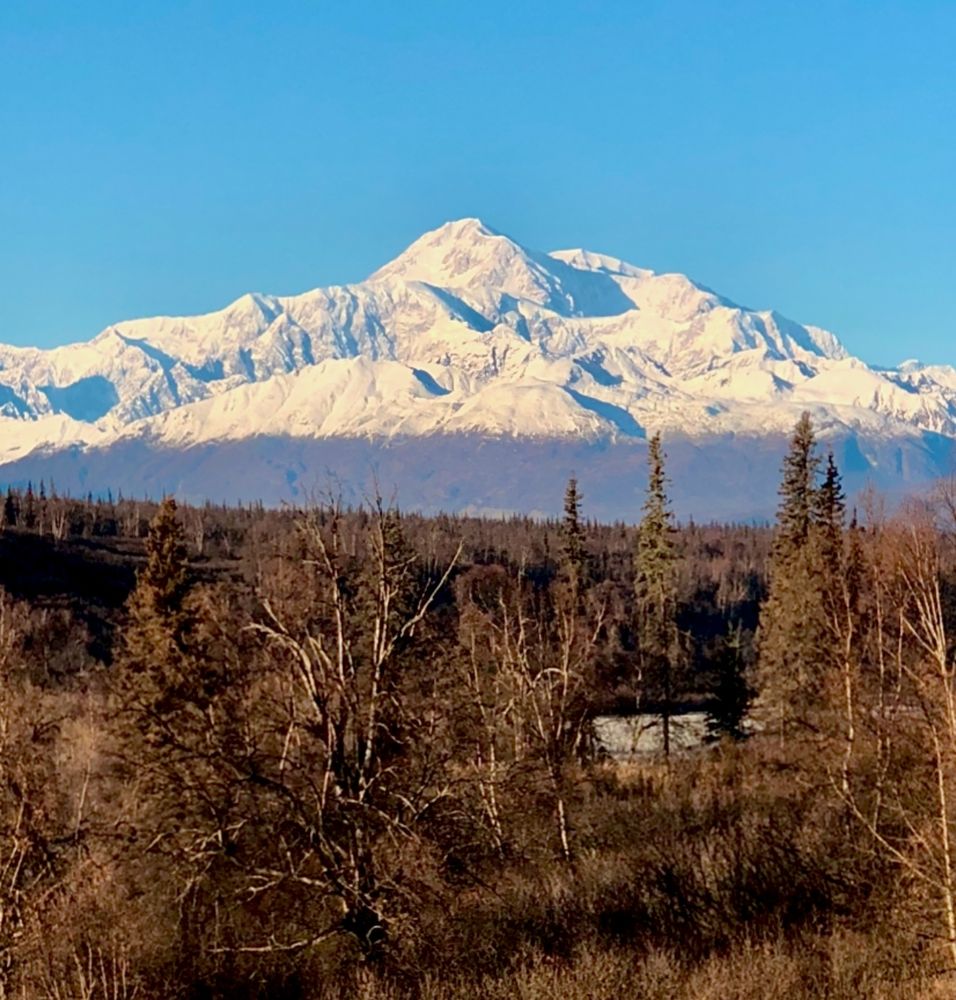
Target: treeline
719,571
325,752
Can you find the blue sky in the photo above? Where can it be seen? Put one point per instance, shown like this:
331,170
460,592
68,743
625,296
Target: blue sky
167,157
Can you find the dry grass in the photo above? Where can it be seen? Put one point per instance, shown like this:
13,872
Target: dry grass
841,966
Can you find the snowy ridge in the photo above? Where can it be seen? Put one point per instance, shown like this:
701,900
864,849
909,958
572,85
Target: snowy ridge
466,332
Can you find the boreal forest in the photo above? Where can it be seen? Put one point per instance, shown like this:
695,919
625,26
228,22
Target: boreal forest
319,752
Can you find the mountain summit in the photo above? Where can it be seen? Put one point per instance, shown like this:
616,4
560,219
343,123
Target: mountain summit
469,340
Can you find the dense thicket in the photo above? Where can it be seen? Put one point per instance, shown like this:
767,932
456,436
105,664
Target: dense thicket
321,752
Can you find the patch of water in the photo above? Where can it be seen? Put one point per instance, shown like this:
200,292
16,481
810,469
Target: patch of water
626,737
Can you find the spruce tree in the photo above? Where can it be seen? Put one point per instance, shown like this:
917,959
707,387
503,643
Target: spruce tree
797,490
157,672
28,510
656,592
174,720
162,584
829,518
731,691
574,556
11,509
794,638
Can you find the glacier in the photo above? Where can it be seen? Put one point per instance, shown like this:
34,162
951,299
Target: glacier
469,374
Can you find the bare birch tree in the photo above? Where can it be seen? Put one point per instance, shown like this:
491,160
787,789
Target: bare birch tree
352,772
913,818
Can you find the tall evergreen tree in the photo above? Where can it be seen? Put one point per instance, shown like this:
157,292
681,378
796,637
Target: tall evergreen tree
794,636
574,556
797,490
731,692
11,509
163,583
157,671
829,516
175,715
655,594
28,509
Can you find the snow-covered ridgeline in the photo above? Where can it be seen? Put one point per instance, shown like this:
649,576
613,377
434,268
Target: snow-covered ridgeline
464,332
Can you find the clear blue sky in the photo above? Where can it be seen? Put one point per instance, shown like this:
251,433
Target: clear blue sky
166,157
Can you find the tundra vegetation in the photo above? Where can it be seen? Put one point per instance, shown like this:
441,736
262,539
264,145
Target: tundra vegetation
324,752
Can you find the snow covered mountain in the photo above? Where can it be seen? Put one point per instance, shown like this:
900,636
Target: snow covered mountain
465,343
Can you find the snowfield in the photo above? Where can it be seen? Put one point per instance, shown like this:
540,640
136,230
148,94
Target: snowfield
467,333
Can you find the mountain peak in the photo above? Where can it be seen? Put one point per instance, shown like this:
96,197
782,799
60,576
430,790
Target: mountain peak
493,273
465,332
456,253
488,270
468,226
